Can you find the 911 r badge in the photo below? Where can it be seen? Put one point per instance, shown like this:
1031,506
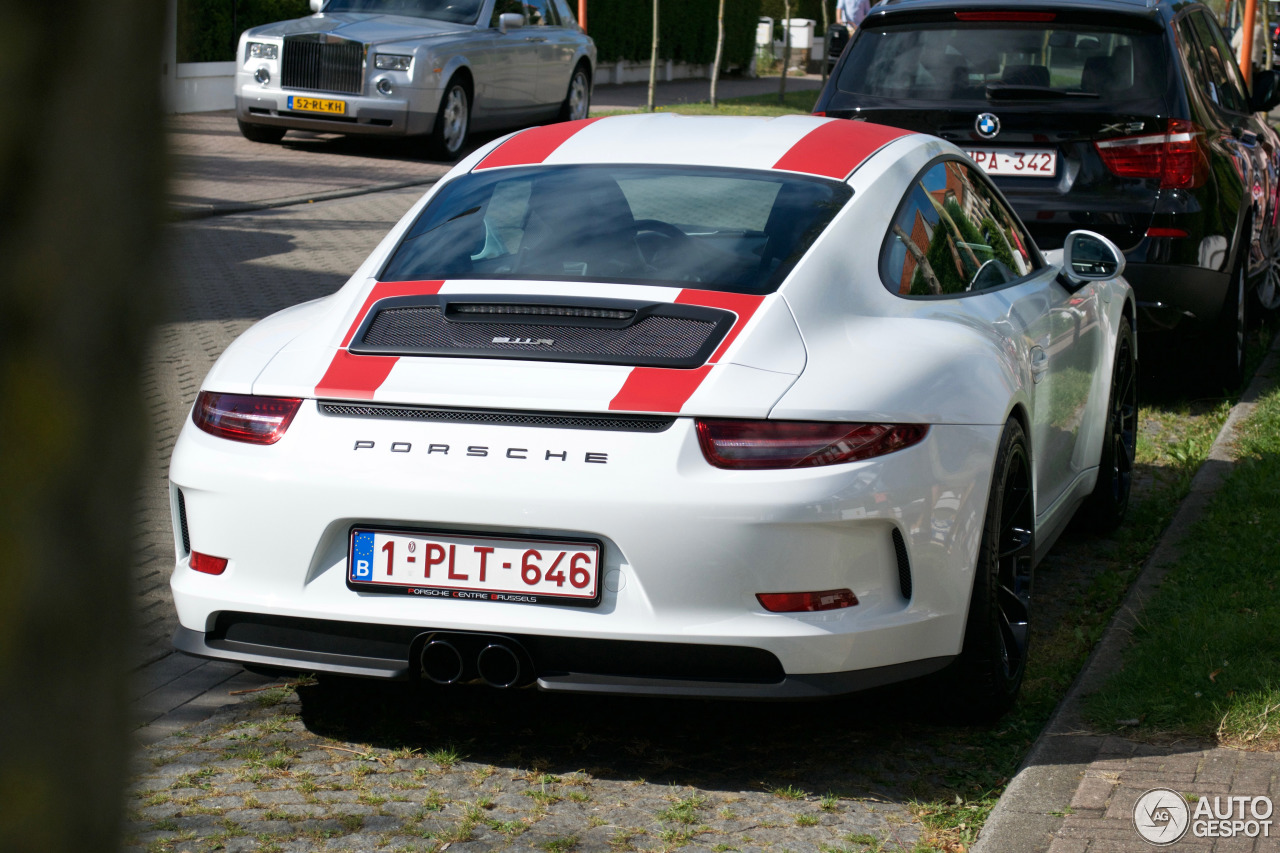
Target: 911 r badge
536,342
987,125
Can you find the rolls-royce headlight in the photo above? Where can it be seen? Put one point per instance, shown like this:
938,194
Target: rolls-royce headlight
261,50
392,62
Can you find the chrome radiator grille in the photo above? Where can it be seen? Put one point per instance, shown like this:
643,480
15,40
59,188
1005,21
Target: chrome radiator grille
336,66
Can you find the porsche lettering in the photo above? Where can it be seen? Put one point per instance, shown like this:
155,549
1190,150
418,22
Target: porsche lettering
481,451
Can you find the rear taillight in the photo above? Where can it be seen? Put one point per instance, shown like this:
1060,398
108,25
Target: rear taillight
1174,157
806,602
741,444
241,417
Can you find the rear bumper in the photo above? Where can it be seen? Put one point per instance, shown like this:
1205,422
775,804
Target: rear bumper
634,668
1177,298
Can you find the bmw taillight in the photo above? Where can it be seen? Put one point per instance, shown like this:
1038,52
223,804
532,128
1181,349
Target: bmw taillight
1174,157
242,417
743,444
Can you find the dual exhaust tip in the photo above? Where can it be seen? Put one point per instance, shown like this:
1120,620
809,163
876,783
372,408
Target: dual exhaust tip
497,661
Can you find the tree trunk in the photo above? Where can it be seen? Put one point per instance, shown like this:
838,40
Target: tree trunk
786,50
826,41
653,60
80,176
715,69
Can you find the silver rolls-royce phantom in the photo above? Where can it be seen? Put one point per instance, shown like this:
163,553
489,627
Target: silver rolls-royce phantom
433,68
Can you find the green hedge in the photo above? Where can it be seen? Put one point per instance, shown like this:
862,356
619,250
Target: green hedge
208,30
623,29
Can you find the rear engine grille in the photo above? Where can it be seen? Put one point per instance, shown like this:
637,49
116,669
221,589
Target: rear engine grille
904,564
336,66
616,423
182,523
663,335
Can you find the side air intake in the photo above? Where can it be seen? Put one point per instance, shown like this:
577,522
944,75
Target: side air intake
904,564
182,523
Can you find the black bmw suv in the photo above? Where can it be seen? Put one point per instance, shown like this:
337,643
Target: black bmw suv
1125,117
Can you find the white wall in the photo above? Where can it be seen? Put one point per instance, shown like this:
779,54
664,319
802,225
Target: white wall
203,86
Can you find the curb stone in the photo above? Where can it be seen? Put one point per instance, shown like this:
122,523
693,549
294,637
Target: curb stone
1034,805
187,214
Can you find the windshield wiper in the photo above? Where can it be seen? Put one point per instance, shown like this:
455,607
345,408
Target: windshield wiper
1018,91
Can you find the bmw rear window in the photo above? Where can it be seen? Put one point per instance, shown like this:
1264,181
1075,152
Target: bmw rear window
991,62
712,228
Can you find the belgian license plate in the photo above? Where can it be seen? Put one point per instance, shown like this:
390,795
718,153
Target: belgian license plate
1026,163
477,568
317,105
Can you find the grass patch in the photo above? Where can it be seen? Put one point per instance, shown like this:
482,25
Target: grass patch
684,810
1205,653
795,102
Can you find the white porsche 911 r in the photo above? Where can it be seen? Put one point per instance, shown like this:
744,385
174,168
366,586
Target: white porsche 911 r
657,405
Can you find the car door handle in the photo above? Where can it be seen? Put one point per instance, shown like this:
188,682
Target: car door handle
535,38
1039,363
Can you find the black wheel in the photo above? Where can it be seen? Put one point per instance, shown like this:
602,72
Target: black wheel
985,679
261,132
1266,293
452,122
1105,508
1227,364
577,102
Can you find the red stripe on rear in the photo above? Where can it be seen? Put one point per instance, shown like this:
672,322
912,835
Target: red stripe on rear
658,389
533,145
359,376
836,148
385,289
355,377
742,304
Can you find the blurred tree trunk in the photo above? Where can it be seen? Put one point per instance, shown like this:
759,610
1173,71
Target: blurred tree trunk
653,59
826,40
786,50
715,69
80,177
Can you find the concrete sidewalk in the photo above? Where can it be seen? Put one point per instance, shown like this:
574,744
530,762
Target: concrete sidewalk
1077,789
217,171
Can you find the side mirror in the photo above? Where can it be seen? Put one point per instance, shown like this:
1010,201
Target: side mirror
317,5
509,21
1266,91
1087,256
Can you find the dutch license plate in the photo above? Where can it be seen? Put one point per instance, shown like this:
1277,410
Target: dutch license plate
1028,163
317,105
479,568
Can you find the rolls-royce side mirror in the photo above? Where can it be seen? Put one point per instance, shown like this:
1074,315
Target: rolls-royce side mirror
1087,256
509,21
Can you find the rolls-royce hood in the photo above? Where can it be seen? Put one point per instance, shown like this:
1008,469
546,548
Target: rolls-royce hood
364,28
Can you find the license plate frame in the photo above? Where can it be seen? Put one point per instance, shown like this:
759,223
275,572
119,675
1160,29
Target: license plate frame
511,595
1016,162
307,104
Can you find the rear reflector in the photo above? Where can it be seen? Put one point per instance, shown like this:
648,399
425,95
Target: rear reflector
1006,16
1166,232
820,113
806,602
754,445
241,417
1174,157
208,565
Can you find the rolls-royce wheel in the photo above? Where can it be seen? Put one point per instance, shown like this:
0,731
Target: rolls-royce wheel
452,122
577,101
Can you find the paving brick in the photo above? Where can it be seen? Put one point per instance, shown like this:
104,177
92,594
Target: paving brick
1068,845
1093,793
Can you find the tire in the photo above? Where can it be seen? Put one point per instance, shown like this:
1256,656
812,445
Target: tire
1105,509
261,132
577,101
987,676
1227,346
453,121
1266,293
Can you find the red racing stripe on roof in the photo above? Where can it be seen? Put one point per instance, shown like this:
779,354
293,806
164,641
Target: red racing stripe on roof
358,377
658,389
836,148
533,145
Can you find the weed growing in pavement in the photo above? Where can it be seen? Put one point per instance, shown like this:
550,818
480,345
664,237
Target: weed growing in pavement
806,820
579,797
560,845
829,803
790,792
445,757
684,810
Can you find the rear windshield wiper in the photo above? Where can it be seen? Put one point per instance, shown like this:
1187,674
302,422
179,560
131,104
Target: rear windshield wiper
1016,91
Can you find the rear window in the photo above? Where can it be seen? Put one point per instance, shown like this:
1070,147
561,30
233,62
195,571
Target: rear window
1010,61
714,229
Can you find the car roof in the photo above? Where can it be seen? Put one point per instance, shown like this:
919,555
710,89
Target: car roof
813,145
1145,8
